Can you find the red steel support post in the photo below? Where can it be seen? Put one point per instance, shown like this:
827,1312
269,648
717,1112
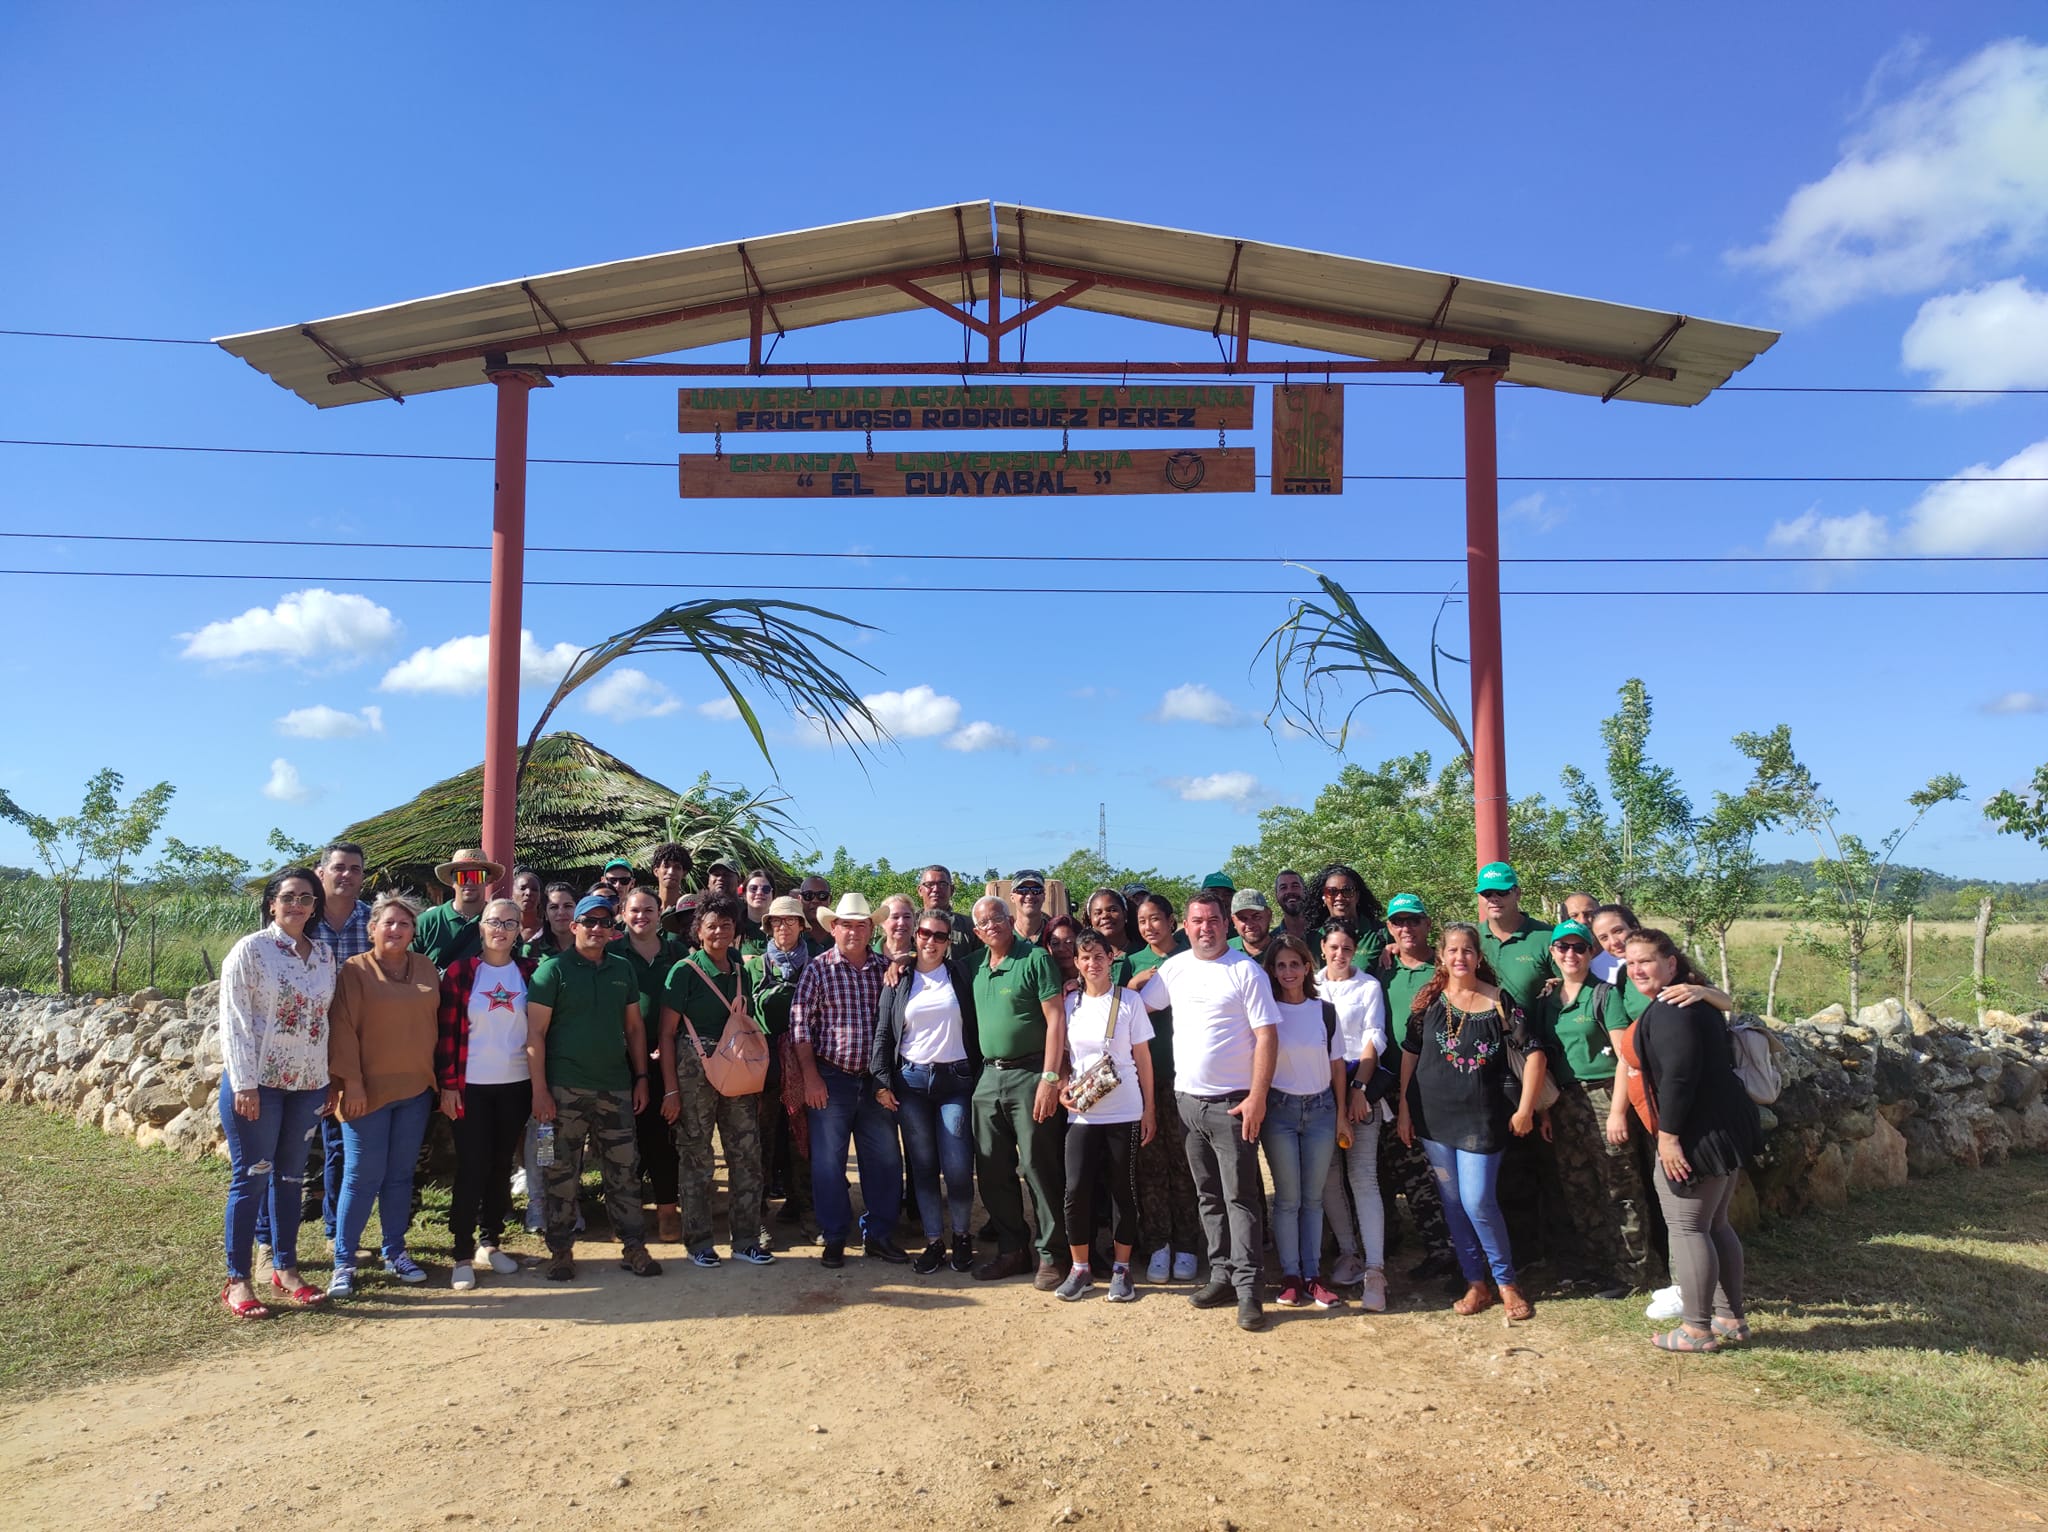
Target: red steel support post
1482,583
508,578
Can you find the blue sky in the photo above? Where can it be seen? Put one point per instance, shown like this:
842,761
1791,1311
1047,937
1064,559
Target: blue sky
1872,180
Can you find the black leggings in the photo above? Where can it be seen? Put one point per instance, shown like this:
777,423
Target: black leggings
1089,1145
487,1138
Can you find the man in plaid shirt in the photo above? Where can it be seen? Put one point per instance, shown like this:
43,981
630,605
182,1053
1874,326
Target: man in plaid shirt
832,1027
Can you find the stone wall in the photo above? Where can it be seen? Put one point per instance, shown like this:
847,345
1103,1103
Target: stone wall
1893,1094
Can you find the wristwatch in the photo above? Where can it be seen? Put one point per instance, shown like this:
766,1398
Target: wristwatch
1050,1077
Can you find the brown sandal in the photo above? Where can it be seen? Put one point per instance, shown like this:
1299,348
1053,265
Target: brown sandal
1518,1308
1479,1297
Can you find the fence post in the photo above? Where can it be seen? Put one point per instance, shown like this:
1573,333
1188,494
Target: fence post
1977,955
1771,995
1909,958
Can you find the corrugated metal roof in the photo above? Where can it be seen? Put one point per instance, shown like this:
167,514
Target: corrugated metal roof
1333,304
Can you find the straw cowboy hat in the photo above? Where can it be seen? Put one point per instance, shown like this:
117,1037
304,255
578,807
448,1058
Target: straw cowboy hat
467,859
852,907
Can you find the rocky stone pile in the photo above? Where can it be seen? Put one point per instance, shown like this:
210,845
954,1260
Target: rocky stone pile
1893,1094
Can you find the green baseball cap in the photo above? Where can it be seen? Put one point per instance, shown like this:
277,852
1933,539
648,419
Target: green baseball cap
1406,904
1219,880
618,861
1495,877
1566,928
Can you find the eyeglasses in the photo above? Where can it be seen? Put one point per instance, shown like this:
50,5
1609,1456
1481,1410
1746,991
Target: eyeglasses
1571,946
991,922
924,935
297,899
501,924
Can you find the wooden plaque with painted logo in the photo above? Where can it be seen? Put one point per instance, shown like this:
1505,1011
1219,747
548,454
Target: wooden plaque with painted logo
1308,440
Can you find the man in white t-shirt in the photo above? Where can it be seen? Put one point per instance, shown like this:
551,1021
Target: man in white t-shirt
1224,1050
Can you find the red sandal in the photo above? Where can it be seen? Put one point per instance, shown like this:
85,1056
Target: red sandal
305,1295
248,1308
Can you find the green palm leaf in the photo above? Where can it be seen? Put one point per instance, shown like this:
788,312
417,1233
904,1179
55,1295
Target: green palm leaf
1319,645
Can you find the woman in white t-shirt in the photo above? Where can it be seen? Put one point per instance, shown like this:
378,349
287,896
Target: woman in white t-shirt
1300,1129
1105,1021
1361,1007
480,1066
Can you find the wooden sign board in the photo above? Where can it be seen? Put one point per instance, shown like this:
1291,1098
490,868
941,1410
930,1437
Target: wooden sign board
1308,440
968,475
996,407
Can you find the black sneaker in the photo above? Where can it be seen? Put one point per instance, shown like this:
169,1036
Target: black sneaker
930,1259
963,1253
885,1249
1251,1314
705,1257
834,1256
1213,1294
753,1255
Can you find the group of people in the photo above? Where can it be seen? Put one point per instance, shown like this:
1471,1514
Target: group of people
1104,1080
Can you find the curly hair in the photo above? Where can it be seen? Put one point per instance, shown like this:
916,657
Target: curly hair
1426,996
1317,913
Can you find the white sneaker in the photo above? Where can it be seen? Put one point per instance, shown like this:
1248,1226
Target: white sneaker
463,1279
519,1181
1374,1298
1349,1269
1184,1264
1160,1265
1665,1303
499,1262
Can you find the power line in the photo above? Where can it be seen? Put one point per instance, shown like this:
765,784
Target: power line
927,590
1225,379
1350,478
1029,558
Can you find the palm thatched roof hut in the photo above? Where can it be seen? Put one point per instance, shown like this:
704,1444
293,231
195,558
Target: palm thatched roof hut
578,806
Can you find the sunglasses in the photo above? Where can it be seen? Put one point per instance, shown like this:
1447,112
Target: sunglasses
813,898
296,899
1407,920
596,922
934,936
1571,946
468,875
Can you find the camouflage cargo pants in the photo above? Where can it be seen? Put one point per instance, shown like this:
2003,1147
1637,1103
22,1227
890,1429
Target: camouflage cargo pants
738,1121
605,1118
1166,1188
1404,1170
1604,1197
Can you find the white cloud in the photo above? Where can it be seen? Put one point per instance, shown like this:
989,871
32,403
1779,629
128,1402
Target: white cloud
1038,742
723,709
2018,702
1995,336
1237,787
1970,513
1837,537
1196,703
918,713
460,666
623,693
285,785
323,722
981,735
308,626
1930,186
1536,511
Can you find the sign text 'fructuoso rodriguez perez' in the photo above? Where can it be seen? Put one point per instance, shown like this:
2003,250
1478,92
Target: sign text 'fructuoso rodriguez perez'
994,407
970,475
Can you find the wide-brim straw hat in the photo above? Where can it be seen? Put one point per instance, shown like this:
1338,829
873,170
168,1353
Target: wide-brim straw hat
468,859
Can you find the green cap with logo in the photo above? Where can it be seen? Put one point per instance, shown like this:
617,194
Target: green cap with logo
1219,880
1565,929
1406,904
1496,877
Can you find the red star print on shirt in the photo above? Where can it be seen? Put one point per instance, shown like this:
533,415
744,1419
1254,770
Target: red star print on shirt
501,998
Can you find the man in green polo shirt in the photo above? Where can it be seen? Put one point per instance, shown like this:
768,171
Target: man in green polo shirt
1409,964
1017,1114
587,1048
448,931
1516,946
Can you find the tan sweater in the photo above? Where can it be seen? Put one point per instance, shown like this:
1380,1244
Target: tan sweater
381,1043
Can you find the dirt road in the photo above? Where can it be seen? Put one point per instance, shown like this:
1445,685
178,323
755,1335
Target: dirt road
791,1395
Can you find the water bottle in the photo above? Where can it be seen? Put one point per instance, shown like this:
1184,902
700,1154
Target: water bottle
544,1144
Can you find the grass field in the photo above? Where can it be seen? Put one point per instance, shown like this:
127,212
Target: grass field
1941,968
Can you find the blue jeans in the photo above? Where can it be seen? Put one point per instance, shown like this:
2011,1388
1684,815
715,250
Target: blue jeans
1300,1135
1466,1183
933,1103
267,1160
852,1113
330,1182
379,1151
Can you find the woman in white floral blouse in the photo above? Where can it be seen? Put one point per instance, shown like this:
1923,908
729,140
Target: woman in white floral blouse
274,990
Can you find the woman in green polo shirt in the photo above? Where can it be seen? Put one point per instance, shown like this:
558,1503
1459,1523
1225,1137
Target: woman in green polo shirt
653,952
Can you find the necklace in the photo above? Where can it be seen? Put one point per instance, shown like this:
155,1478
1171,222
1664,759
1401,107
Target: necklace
389,978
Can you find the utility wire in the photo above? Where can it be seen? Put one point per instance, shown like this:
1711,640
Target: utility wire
1031,558
1359,478
1223,379
926,590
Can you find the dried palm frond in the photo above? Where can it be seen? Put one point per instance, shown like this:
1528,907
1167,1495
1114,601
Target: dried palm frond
1318,645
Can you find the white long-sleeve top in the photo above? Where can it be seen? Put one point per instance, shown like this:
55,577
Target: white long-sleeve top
1361,1012
273,1013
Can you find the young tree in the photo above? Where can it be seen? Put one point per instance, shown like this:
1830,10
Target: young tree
1856,896
68,843
2023,814
117,839
292,853
194,872
1708,874
1652,806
